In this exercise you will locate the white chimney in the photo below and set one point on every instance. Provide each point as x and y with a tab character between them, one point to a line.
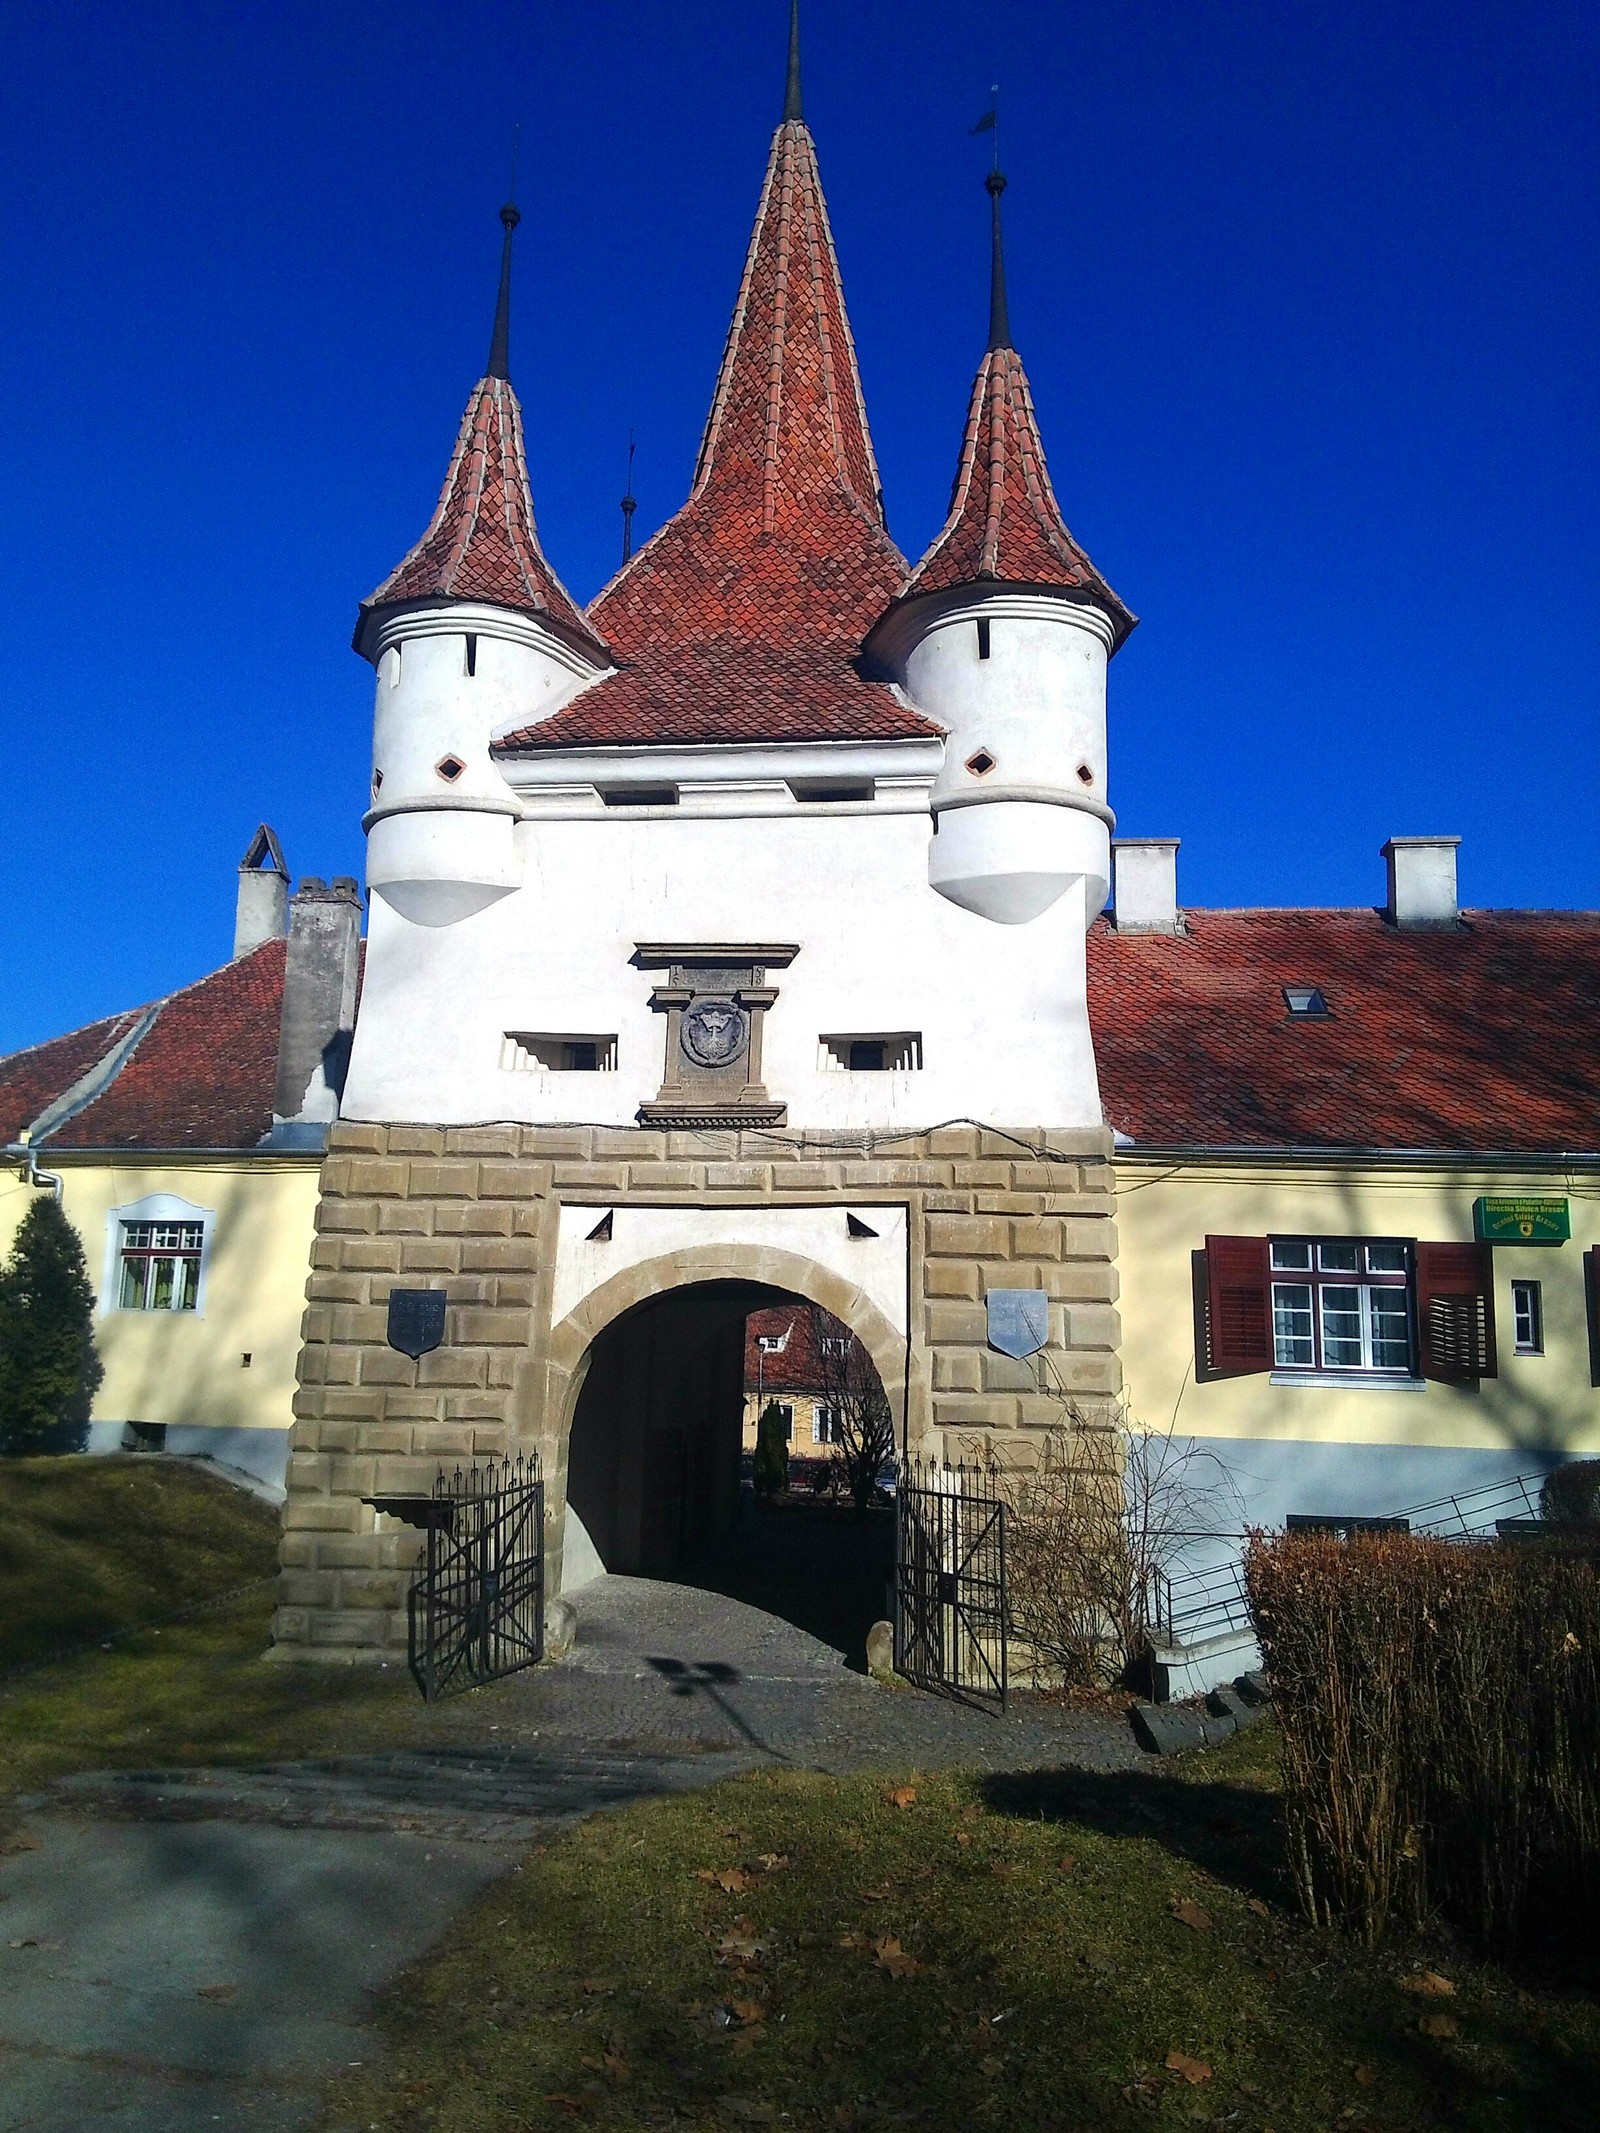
1422	881
1144	872
262	911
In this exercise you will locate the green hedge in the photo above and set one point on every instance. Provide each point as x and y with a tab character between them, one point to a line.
1440	1710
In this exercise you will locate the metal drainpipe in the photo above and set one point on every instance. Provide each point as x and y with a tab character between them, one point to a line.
36	1176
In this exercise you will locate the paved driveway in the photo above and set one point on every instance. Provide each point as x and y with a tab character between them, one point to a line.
198	1948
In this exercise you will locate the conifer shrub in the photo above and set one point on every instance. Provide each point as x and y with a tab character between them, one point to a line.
1440	1711
770	1474
49	1370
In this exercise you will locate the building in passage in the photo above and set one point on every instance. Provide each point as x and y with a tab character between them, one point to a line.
740	944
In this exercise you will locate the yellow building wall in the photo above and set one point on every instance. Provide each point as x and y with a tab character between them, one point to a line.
804	1405
185	1367
1541	1403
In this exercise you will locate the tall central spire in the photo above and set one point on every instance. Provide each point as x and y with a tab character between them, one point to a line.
743	618
792	107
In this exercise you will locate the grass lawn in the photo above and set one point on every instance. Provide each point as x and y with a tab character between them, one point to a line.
91	1548
1025	1953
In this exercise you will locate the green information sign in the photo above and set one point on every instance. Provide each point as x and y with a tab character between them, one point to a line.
1512	1221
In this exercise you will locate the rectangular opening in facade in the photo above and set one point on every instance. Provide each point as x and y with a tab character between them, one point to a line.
877	1052
531	1051
832	791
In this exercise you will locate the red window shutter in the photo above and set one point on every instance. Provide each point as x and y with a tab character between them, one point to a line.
1238	1306
1591	1297
1455	1312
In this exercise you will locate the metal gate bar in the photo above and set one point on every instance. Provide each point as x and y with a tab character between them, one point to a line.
950	1584
476	1610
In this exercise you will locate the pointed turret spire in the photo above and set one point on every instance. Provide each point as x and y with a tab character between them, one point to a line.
999	310
1005	526
793	108
482	542
500	339
742	618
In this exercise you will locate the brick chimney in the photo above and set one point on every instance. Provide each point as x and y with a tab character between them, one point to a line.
319	1010
1144	875
1422	881
262	911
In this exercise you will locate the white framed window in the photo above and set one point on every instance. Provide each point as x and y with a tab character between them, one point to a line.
1527	1317
1345	1306
157	1254
824	1423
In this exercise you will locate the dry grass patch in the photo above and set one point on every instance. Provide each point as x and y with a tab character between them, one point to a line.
1028	1952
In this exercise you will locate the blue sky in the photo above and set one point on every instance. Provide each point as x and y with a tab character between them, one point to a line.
1307	294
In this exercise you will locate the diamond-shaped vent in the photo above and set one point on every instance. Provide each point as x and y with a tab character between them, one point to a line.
449	768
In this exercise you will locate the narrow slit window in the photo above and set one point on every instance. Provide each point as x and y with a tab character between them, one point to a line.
983	636
472	655
1527	1315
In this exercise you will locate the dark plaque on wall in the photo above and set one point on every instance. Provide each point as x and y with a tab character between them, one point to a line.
416	1320
714	1003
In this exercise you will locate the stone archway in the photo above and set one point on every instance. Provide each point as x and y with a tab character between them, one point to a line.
691	1306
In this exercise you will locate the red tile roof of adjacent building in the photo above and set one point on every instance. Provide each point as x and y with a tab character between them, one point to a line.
1005	525
796	1366
743	618
1482	1037
482	543
201	1076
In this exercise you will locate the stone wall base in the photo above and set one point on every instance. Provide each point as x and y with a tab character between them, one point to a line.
475	1211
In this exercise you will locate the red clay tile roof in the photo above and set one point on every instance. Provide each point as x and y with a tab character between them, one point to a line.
30	1081
481	543
1005	524
742	619
200	1077
795	1367
1480	1038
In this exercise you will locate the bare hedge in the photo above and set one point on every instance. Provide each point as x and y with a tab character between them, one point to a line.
1440	1710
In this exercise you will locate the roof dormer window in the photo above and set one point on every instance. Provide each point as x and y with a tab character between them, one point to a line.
1305	1001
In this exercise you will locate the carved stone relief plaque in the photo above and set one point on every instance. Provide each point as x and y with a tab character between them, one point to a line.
714	1002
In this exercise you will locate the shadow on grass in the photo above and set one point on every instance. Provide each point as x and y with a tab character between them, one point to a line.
1232	1832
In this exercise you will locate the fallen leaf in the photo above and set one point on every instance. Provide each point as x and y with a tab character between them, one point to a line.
774	1862
216	1992
749	2010
1269	1973
616	2065
1261	1909
1068	1865
846	1940
1189	1913
903	1796
1366	2076
574	2104
733	1879
1005	1869
1194	2071
741	1948
963	1836
890	1956
883	1895
599	1985
990	2067
1437	2025
972	1812
1430	1985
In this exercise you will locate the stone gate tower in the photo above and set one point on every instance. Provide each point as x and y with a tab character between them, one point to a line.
727	943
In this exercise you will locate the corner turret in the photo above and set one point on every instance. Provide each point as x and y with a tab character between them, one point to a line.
471	635
1003	633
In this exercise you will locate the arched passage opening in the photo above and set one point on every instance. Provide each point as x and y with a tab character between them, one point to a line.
659	1467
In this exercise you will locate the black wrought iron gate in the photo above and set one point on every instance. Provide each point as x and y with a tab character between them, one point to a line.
476	1609
950	1583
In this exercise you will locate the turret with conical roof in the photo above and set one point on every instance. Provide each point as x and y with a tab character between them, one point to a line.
471	632
1002	632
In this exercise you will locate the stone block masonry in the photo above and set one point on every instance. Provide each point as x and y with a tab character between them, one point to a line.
476	1211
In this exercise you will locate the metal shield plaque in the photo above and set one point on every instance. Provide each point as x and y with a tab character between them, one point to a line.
1019	1320
416	1320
